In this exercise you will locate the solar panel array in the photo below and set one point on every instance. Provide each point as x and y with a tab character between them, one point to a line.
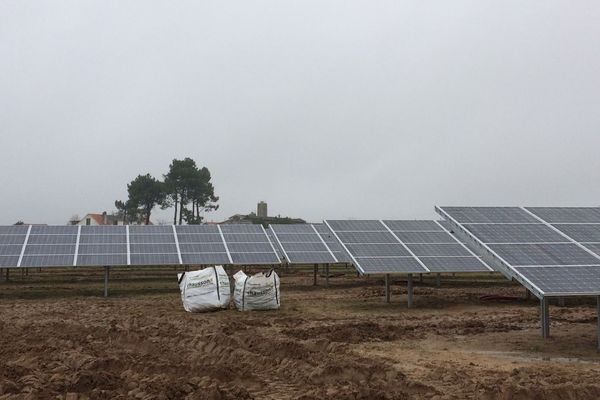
394	246
141	245
333	244
436	247
302	244
249	244
555	250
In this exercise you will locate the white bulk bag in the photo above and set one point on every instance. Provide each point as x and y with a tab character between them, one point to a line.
256	292
205	290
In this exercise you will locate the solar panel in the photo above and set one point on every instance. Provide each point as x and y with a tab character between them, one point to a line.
497	215
544	254
373	247
102	246
439	250
12	239
332	243
554	215
559	281
355	226
301	244
258	251
545	248
581	232
50	246
425	237
594	247
390	265
413	226
153	245
454	264
201	244
57	246
436	247
378	250
516	233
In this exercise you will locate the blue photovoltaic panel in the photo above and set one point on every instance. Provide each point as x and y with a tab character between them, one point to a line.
559	281
201	244
544	254
152	245
50	246
555	215
549	249
301	244
256	241
494	215
455	264
356	226
413	226
516	233
581	232
102	246
11	244
373	248
425	237
332	243
436	247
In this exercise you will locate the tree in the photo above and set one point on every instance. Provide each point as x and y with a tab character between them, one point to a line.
128	212
185	183
145	192
19	223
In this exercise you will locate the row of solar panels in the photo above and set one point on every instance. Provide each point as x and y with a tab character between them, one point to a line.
552	251
412	246
43	246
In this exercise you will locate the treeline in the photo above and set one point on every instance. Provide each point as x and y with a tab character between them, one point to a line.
186	188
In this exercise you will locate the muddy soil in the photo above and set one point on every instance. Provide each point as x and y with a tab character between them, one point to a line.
339	342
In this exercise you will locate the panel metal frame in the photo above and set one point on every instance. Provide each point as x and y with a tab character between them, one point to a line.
177	244
77	246
225	244
24	245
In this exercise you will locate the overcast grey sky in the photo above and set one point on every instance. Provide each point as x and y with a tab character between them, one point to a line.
324	109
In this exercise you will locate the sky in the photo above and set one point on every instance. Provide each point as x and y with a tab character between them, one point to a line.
323	109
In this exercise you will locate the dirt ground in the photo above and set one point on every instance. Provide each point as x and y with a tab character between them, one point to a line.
59	339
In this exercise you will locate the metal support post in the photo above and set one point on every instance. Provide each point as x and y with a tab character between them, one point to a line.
561	301
545	311
438	279
421	278
106	272
527	294
598	309
316	271
327	275
388	293
409	287
7	275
